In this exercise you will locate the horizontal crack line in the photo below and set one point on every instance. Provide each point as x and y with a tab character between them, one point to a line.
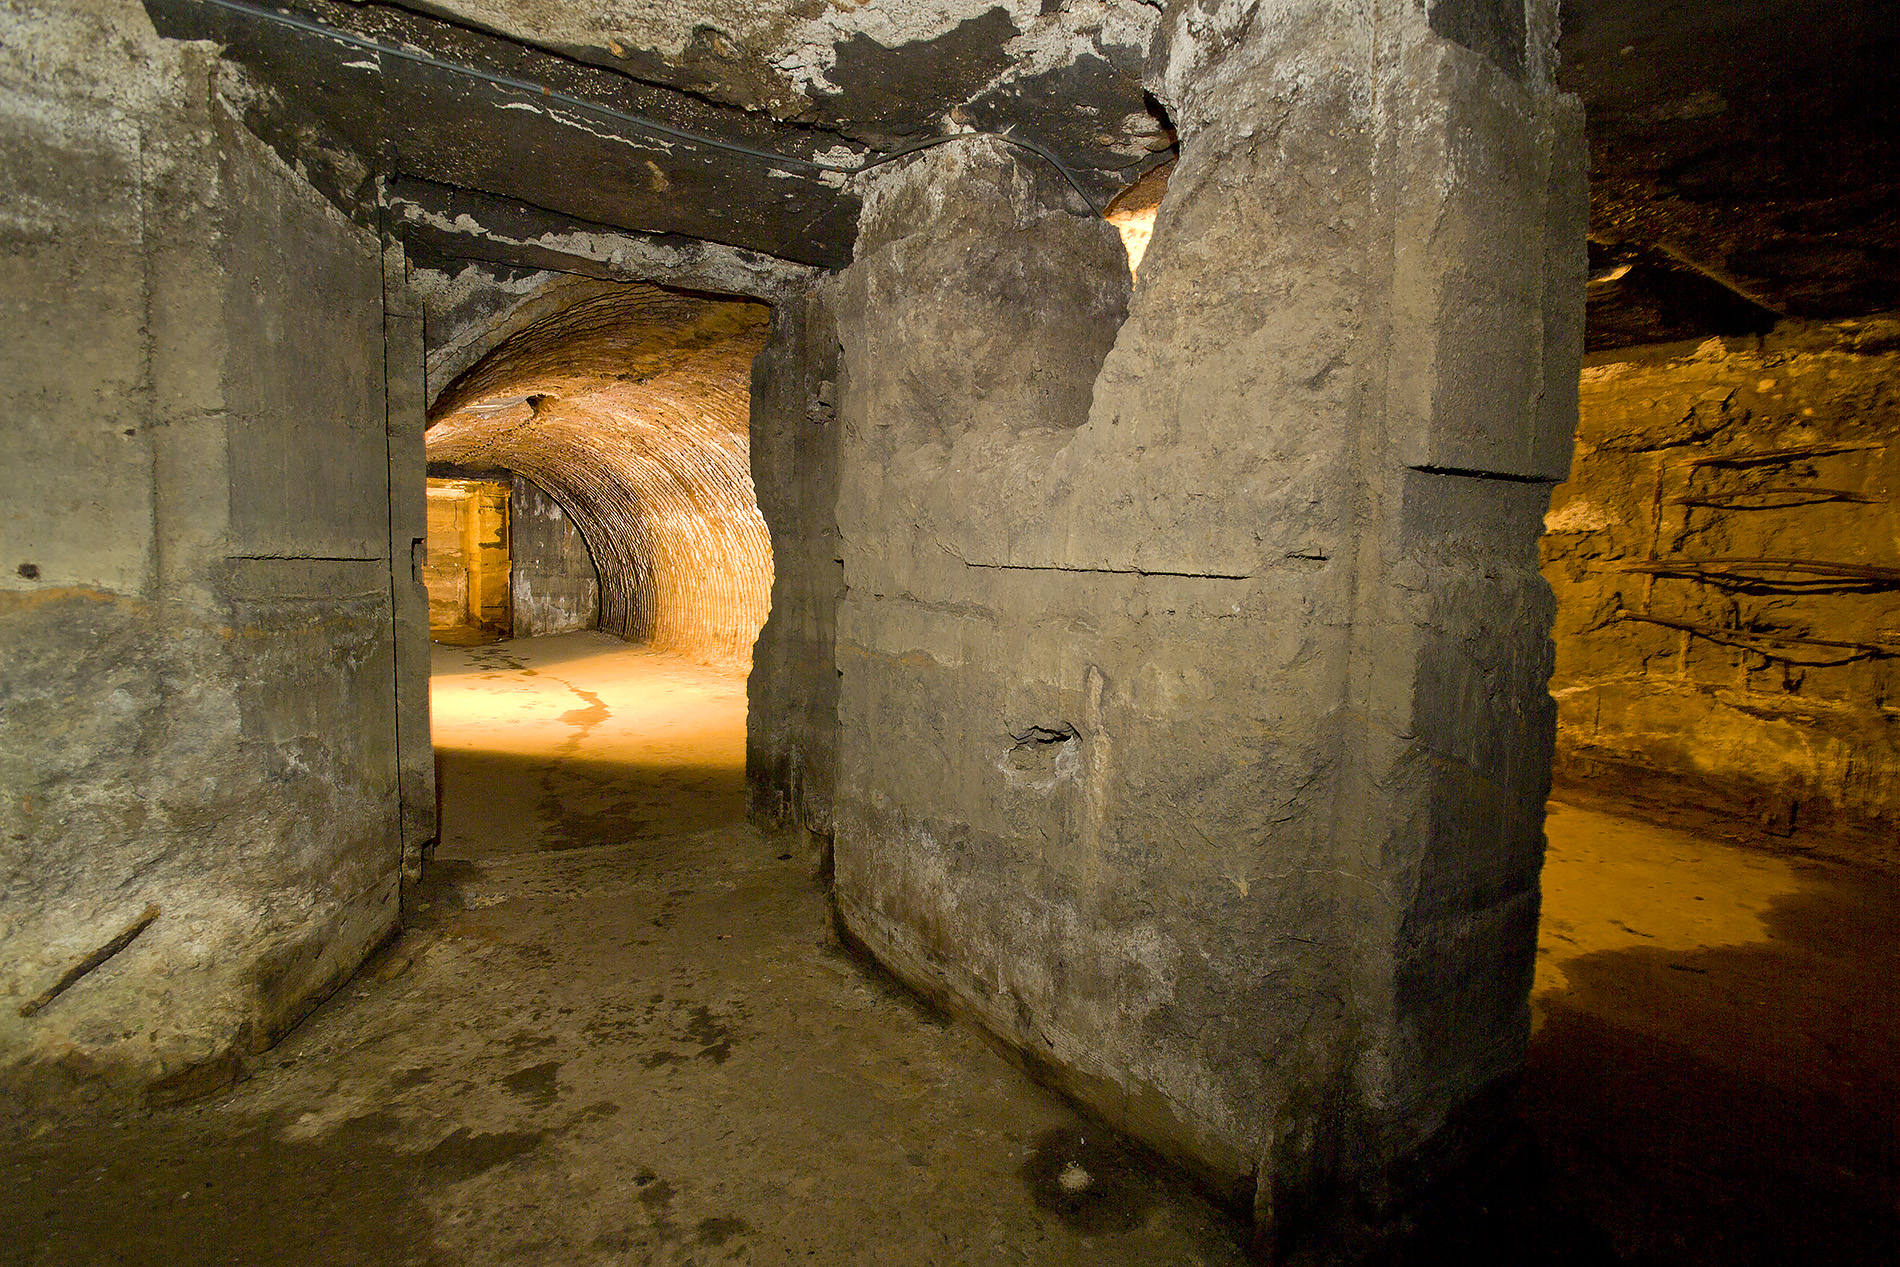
1472	473
1048	567
305	558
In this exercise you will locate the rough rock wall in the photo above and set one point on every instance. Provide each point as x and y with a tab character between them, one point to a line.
1725	557
792	694
554	586
1194	726
197	600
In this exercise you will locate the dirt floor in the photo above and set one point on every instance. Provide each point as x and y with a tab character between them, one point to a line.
1714	1075
620	1030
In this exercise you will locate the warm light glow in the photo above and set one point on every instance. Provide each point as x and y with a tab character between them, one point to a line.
1133	214
1136	230
631	410
1617	884
466	569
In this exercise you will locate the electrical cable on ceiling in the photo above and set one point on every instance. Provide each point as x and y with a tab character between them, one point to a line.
655	128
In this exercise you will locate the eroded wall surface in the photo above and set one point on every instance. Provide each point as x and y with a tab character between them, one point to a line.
1194	733
198	689
1726	558
792	693
554	586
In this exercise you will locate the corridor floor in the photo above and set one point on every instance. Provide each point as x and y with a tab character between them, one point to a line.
619	1030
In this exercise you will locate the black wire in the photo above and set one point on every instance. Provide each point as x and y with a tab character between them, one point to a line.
644	124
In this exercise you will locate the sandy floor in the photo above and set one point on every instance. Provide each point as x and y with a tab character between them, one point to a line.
620	1031
1715	1073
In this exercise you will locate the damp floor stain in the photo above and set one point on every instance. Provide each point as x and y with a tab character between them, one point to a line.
199	1188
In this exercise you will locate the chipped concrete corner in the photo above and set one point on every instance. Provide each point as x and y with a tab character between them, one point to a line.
1194	735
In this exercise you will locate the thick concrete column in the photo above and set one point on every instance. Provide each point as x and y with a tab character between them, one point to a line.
1194	725
792	693
406	404
196	597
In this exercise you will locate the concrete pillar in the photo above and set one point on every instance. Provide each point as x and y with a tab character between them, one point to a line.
792	693
196	597
406	410
1194	726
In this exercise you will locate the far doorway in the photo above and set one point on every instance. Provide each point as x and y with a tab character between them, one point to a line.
504	561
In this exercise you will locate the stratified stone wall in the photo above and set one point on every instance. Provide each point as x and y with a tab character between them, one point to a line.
1194	733
1725	558
198	690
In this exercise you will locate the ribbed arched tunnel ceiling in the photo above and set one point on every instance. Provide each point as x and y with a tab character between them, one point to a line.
631	410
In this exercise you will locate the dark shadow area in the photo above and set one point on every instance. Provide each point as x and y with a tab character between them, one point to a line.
1504	1208
583	803
1735	1106
161	1192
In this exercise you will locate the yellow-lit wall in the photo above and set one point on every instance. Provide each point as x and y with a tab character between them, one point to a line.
1726	561
467	571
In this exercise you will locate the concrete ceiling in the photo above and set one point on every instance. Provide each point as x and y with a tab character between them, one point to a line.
1742	153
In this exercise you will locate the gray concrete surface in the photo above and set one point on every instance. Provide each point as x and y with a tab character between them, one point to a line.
553	584
792	717
1191	696
199	686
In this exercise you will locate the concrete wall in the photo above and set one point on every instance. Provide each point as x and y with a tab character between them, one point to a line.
1194	732
406	415
197	602
1725	557
792	694
554	587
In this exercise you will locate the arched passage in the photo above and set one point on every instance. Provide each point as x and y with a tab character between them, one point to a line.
630	410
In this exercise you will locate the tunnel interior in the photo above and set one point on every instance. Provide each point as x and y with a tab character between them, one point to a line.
1101	631
597	457
628	412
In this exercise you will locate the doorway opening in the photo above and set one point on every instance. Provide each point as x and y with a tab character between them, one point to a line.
467	568
599	571
504	560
